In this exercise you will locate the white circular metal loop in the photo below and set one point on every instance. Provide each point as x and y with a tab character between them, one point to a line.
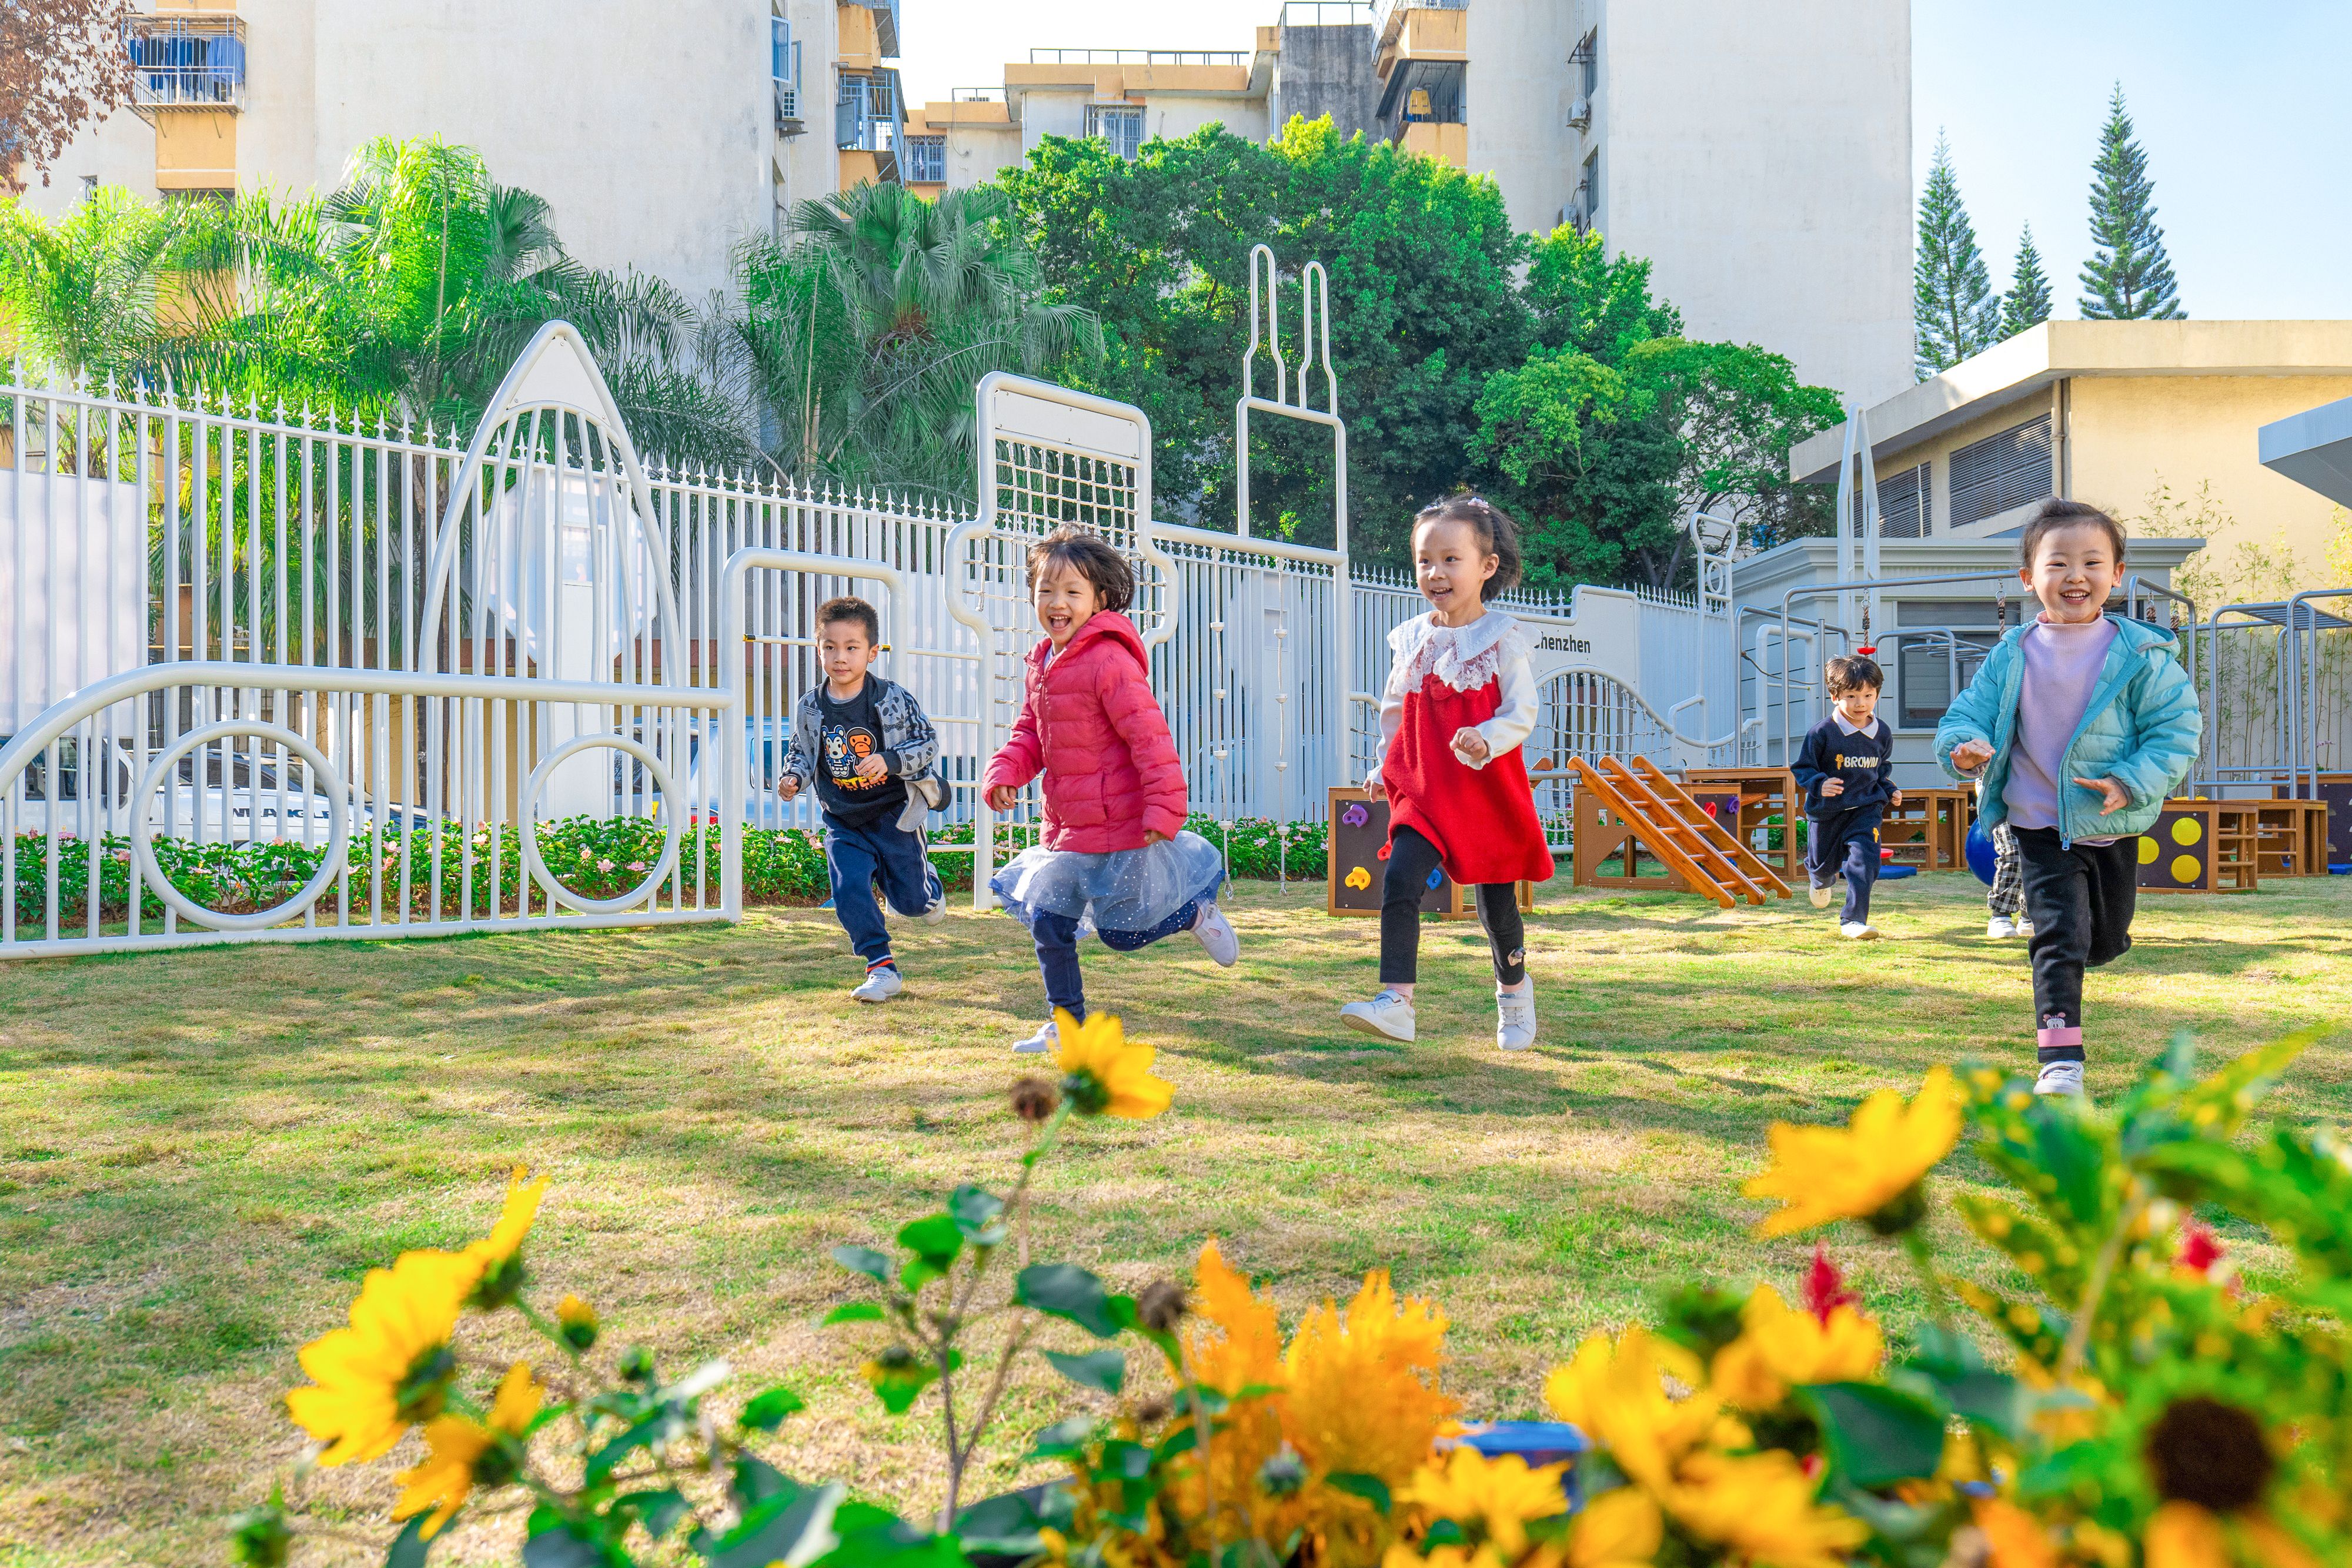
536	864
323	780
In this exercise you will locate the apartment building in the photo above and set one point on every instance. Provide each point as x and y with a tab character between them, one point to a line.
661	134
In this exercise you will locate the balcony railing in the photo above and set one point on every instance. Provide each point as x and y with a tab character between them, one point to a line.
925	161
1325	13
865	116
1137	58
1383	10
187	62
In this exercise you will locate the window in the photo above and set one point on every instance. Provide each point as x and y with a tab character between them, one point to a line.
1903	505
185	62
1591	190
784	69
1586	58
2002	471
926	160
1121	128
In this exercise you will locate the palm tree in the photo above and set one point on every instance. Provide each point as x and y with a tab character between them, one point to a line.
863	341
86	292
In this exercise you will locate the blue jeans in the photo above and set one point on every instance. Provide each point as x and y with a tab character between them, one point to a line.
1846	842
1056	937
852	857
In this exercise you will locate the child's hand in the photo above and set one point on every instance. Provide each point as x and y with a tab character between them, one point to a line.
2117	796
1895	799
1833	786
1470	747
873	768
1154	836
1375	789
788	786
1004	798
1970	754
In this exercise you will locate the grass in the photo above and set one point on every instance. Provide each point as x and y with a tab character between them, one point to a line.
200	1153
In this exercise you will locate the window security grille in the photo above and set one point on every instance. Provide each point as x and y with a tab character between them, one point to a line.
2002	471
1121	129
185	62
926	160
866	115
1903	505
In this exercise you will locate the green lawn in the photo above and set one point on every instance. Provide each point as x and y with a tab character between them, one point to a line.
201	1152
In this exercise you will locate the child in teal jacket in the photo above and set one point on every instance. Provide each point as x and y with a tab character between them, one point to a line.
2080	723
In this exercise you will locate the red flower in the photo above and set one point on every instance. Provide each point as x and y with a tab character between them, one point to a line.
1826	1289
2199	1248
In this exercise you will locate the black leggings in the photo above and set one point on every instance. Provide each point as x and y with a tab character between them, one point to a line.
2080	898
1412	858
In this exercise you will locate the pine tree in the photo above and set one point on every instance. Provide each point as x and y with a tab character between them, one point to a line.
1953	307
2027	304
2128	276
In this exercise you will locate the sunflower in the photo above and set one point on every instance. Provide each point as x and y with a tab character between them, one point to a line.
1363	1395
1231	1339
496	1261
1103	1075
462	1453
1781	1348
2014	1537
576	1320
1494	1500
1617	1395
1619	1529
1761	1509
1869	1170
392	1366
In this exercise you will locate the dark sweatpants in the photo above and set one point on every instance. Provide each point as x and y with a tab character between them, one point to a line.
2080	898
1411	858
1846	842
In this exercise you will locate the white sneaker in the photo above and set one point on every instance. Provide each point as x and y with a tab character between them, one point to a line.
1821	895
936	912
1387	1014
2060	1078
2000	926
1855	931
882	982
2025	927
1047	1039
1216	934
1514	1018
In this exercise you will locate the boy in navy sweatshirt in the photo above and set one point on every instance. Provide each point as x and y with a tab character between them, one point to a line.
1847	770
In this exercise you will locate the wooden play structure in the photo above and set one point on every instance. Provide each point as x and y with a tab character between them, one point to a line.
1623	811
1768	804
1358	861
1929	828
2202	846
2294	838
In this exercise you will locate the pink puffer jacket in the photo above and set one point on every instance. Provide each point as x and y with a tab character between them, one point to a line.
1090	722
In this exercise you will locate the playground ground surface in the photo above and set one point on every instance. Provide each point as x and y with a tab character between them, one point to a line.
201	1152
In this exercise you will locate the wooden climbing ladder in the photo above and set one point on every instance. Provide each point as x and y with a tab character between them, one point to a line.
1650	808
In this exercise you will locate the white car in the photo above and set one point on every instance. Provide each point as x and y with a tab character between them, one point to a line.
253	803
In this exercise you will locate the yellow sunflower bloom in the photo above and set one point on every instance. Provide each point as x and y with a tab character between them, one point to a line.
576	1320
496	1260
1866	1170
1105	1076
1363	1394
1495	1499
463	1453
1761	1509
1781	1348
391	1366
1617	1395
2183	1535
2013	1537
1619	1529
1231	1338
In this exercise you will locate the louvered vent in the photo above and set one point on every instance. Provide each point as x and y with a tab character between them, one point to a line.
2002	471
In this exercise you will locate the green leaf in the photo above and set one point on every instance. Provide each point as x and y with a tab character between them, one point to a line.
1372	1489
1067	1291
794	1529
935	1239
1062	1440
562	1547
766	1412
865	1261
1874	1435
854	1312
664	1427
1101	1370
976	1212
1007	1525
755	1481
658	1512
409	1547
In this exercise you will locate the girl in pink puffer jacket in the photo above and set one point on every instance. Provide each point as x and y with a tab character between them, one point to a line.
1116	857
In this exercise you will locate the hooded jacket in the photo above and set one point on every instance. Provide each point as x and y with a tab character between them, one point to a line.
2141	727
1089	723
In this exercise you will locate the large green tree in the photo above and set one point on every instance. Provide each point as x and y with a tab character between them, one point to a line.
2128	276
1954	309
1424	307
2027	303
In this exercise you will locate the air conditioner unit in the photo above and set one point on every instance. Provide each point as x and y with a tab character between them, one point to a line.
1580	113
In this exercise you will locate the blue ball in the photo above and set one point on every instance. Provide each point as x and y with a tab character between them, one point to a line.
1982	855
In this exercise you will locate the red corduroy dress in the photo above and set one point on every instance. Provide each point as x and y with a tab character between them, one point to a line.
1482	820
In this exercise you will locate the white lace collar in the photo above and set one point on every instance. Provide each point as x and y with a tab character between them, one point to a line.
1464	658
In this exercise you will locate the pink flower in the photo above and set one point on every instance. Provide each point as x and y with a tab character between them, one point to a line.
602	866
584	857
636	866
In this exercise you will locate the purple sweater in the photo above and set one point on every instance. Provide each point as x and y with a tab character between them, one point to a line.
2062	670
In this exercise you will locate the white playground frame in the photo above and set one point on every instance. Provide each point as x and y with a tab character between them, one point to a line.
387	646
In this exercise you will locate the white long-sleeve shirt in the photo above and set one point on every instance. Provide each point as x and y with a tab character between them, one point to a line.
1466	658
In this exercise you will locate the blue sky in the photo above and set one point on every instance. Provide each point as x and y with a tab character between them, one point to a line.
2242	110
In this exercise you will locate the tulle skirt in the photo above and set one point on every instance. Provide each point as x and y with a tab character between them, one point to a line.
1125	890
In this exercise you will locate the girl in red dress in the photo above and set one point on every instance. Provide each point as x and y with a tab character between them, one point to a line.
1460	698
